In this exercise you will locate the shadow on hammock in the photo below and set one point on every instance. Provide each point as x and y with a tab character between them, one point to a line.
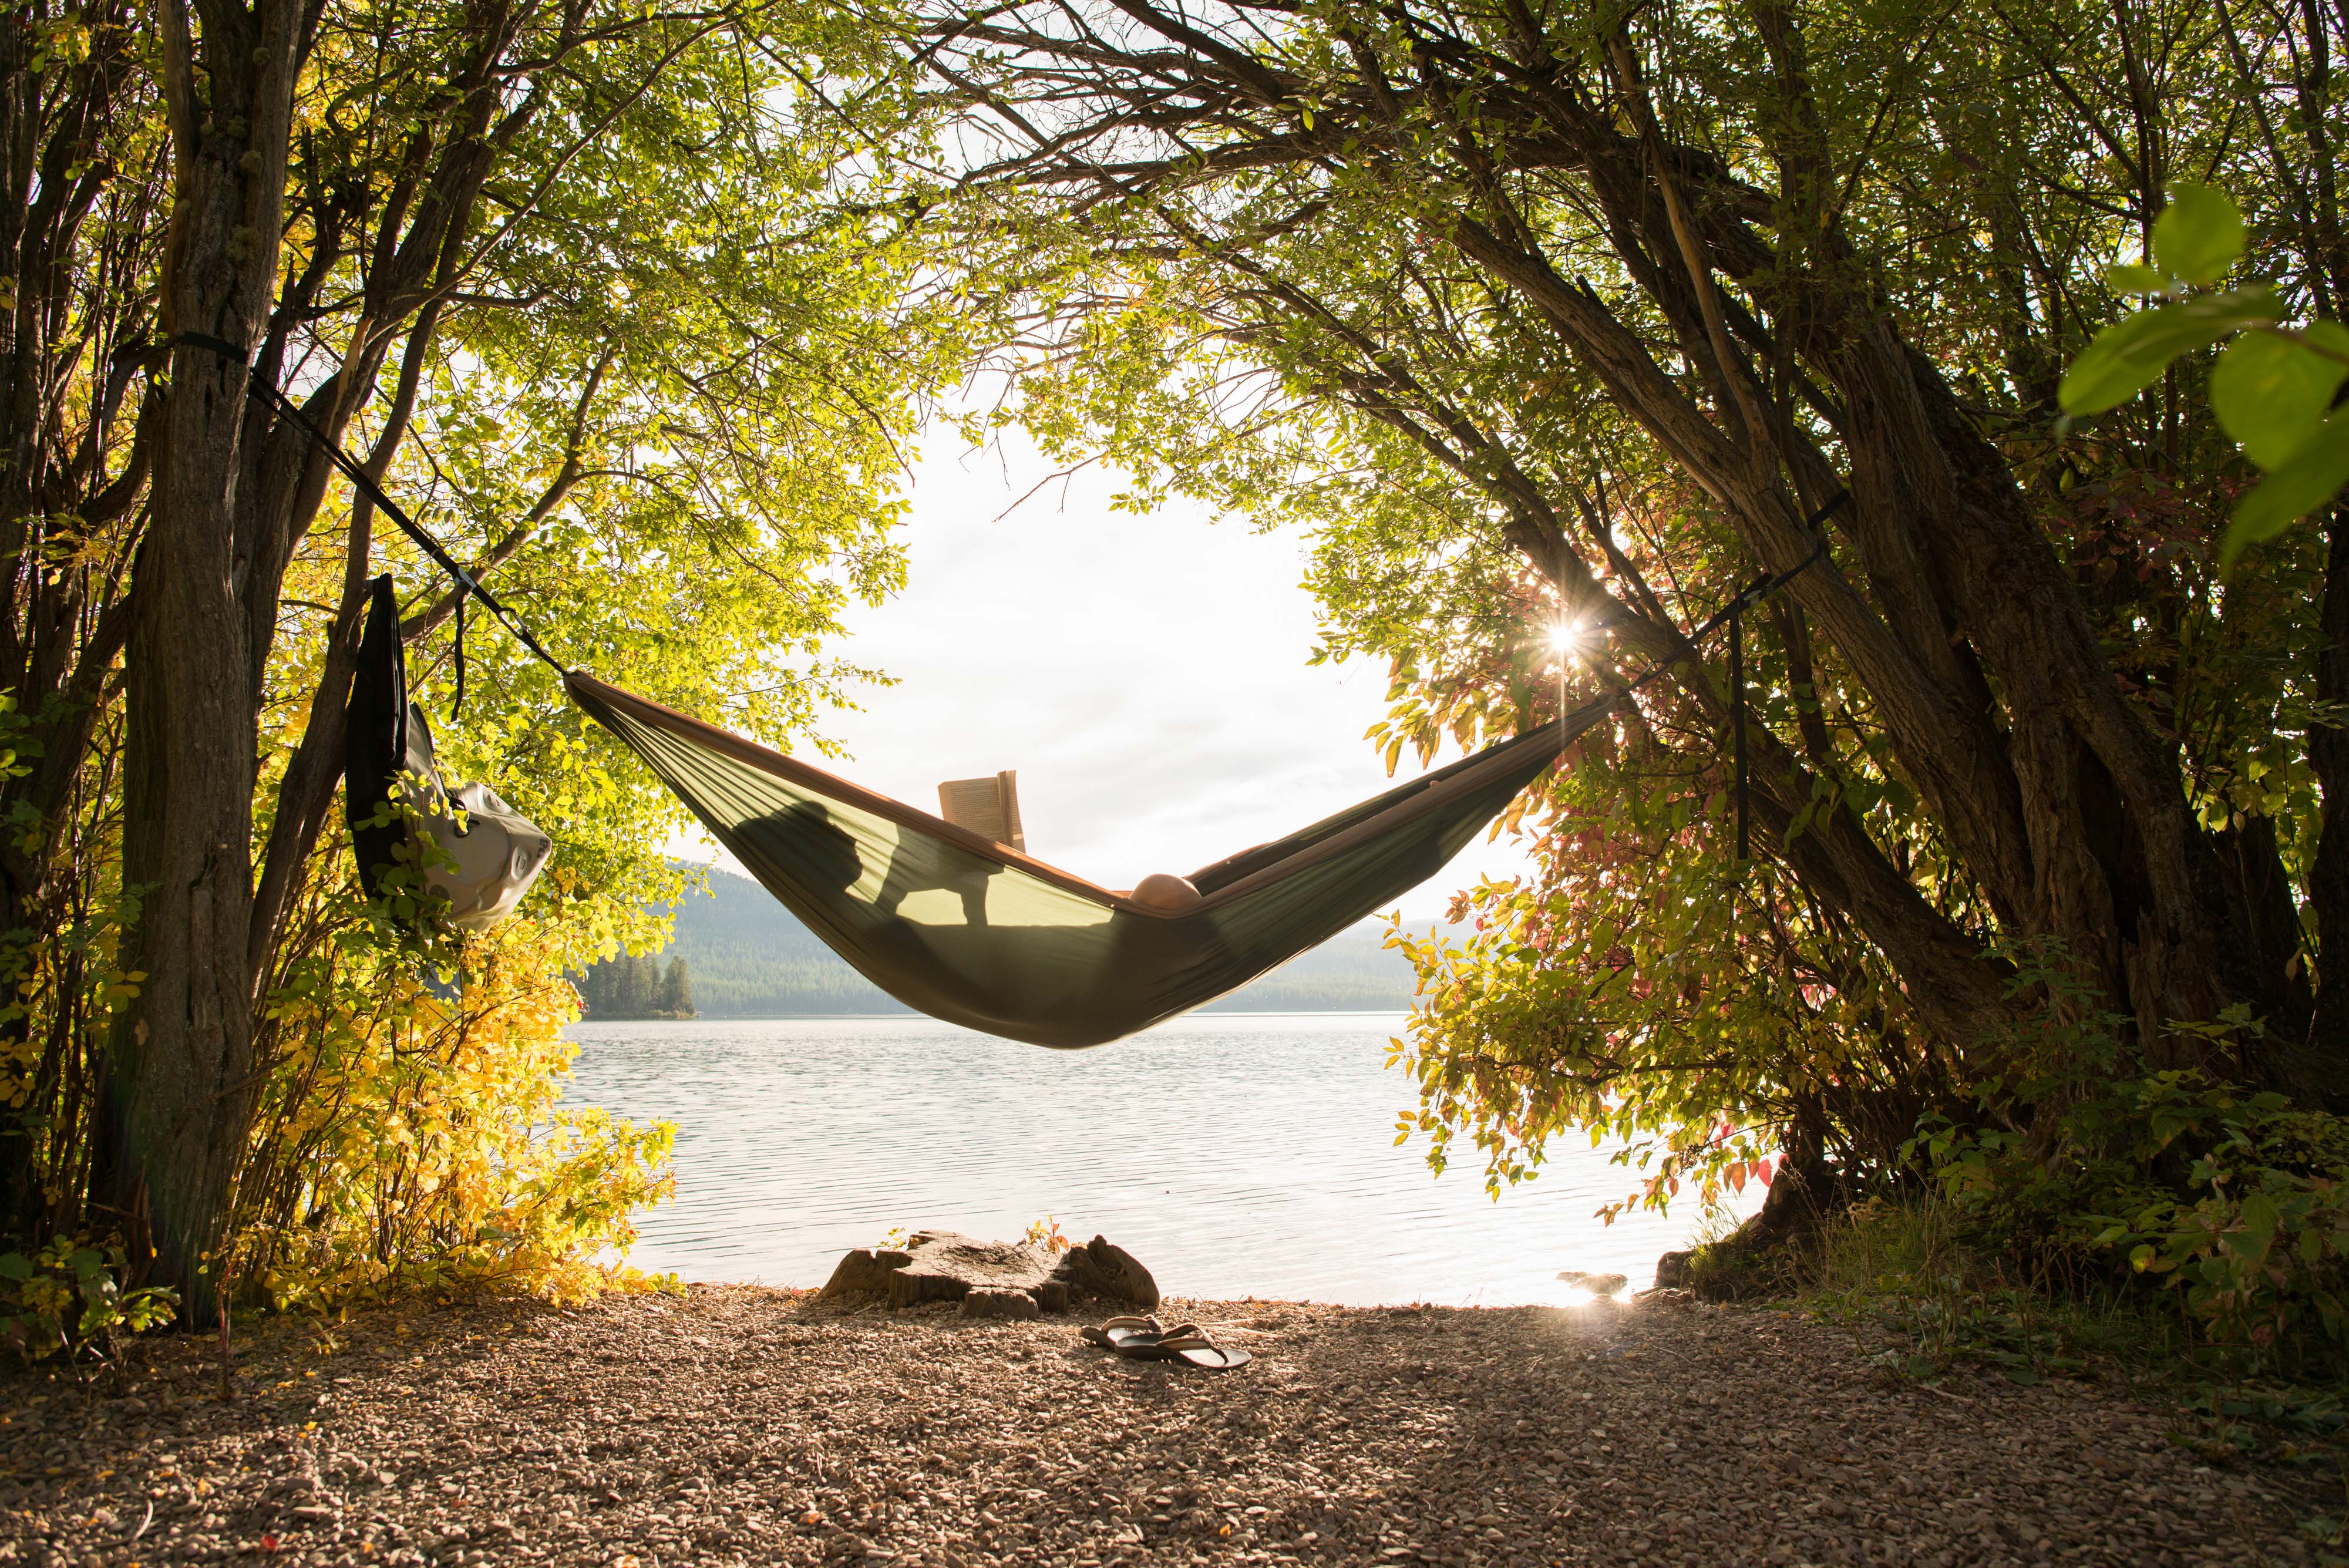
830	858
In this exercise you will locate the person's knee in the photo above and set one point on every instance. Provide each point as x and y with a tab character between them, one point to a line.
1161	891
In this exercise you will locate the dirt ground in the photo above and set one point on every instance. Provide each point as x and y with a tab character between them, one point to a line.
747	1426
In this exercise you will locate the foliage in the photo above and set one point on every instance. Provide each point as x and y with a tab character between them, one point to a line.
2232	1200
2273	389
1915	1270
68	1299
1046	1233
1557	322
2096	1165
406	1143
1907	1266
591	290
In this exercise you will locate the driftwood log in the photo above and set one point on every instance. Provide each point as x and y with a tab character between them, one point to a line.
940	1265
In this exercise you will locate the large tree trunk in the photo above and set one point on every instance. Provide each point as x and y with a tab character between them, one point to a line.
183	1056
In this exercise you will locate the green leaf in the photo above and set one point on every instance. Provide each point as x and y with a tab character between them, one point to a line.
2198	235
2312	477
2272	392
2022	1375
15	1266
2131	277
2129	355
2261	1217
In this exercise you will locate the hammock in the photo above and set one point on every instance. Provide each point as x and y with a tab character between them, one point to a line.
976	933
961	928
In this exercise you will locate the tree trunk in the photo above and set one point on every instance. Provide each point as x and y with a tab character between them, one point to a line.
183	1052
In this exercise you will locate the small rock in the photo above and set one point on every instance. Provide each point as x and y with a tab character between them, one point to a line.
1601	1284
865	1271
1100	1269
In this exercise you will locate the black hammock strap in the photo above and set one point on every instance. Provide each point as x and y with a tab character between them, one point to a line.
365	483
1734	612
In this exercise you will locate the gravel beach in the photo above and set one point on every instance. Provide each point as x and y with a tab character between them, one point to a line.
739	1424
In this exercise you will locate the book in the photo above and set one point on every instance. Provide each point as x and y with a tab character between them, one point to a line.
988	808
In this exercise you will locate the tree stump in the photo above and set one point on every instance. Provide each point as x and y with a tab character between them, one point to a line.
942	1266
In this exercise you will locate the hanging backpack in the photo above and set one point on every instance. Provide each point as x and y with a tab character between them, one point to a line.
482	862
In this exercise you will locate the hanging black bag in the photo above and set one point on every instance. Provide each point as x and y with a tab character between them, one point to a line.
480	862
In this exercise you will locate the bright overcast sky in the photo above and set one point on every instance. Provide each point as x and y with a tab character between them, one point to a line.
1145	675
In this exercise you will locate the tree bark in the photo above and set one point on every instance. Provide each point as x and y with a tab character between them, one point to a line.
184	1049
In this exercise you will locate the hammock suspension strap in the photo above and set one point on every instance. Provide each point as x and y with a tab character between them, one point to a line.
1761	587
363	482
1737	726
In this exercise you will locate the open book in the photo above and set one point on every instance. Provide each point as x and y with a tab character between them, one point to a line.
987	806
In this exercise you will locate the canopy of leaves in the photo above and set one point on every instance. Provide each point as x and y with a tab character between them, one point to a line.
614	302
1543	316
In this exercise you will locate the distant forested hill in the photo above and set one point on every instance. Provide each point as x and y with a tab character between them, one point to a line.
750	958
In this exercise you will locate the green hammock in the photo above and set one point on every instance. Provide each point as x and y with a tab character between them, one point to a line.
961	928
970	931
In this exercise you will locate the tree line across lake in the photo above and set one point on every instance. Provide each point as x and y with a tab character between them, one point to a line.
637	986
748	958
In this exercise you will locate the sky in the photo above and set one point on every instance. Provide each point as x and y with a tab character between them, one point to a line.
1146	676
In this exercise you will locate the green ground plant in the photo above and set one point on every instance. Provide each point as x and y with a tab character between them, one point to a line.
68	1299
1936	1296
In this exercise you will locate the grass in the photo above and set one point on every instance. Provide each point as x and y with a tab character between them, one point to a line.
1940	1304
1937	1304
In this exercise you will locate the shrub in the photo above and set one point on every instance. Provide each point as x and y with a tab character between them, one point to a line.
68	1299
404	1141
2095	1163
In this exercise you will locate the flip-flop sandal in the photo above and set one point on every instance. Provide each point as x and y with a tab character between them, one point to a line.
1197	1349
1100	1333
1142	1343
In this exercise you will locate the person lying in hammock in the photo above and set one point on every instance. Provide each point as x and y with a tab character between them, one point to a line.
831	858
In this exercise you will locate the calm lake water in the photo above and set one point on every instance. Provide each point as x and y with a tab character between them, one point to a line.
1234	1154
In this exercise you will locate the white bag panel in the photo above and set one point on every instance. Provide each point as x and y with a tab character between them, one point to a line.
496	855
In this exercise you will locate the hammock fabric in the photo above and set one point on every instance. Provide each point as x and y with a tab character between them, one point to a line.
970	931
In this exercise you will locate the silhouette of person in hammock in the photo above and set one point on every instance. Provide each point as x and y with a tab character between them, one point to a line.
826	855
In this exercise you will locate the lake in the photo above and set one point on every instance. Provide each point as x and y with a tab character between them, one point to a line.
1234	1155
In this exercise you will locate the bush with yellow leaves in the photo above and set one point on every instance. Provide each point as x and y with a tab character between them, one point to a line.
408	1141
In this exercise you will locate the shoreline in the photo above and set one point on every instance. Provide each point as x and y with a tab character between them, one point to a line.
743	1424
1209	1011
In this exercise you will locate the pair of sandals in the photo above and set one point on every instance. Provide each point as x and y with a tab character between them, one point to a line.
1146	1339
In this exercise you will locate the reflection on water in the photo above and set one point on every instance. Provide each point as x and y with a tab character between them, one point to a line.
1234	1154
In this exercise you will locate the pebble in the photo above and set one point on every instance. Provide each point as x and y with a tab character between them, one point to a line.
744	1426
